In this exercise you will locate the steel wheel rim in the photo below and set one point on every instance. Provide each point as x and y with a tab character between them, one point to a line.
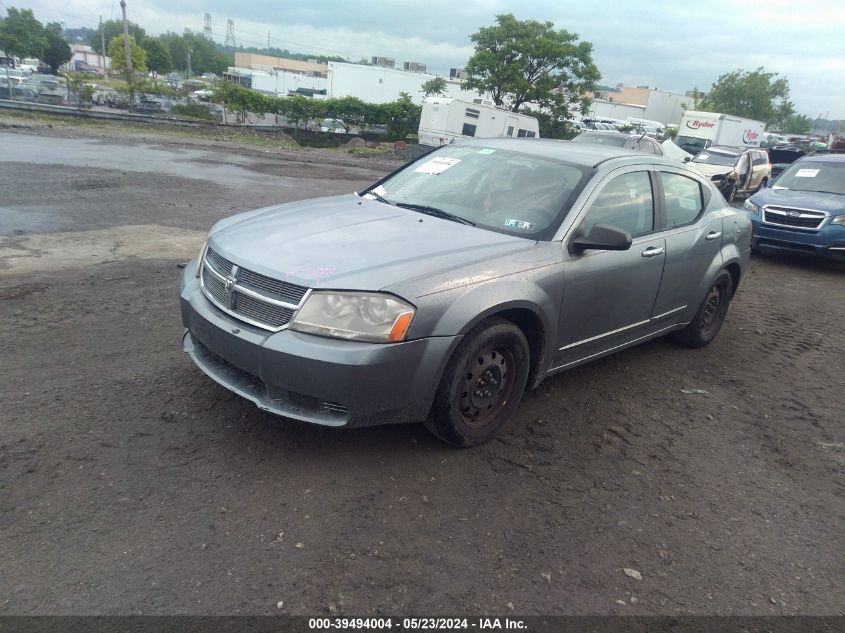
712	308
486	387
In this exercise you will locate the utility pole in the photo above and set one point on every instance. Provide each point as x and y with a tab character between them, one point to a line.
268	39
103	47
128	52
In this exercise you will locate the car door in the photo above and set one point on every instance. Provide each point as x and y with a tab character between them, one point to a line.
608	296
693	242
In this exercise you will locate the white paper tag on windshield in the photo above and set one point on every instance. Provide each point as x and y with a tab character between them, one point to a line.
437	165
519	224
806	173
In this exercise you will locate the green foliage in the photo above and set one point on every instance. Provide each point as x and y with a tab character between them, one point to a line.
79	88
21	34
195	110
754	94
158	55
401	116
117	52
796	124
434	86
58	50
521	62
112	29
206	56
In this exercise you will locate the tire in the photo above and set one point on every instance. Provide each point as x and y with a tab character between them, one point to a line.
762	185
466	411
710	316
730	192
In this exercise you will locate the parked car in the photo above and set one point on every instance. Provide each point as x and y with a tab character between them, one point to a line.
804	209
737	171
333	126
149	106
52	97
782	156
443	290
21	93
637	142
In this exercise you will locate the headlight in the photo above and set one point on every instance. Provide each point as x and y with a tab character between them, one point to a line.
358	316
839	219
750	206
200	258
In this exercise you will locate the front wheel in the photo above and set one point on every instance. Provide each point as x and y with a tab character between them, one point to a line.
481	385
710	316
730	191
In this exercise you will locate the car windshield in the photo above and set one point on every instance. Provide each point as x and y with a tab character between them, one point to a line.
711	157
500	190
616	140
824	177
691	144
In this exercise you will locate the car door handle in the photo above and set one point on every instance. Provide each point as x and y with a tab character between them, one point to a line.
653	251
713	235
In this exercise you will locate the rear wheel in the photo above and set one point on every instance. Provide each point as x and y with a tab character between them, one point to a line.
481	385
711	314
763	184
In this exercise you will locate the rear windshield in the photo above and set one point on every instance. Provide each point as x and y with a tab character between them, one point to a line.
716	158
601	139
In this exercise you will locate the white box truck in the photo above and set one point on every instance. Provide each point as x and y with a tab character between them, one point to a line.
699	130
445	119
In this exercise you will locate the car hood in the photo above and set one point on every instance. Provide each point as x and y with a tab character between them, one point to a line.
351	243
711	170
813	200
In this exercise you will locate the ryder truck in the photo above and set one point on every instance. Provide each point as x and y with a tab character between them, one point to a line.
699	130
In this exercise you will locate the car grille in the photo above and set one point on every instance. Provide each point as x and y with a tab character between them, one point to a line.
800	219
257	299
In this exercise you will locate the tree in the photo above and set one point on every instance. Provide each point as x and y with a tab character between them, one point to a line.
21	34
530	63
754	94
57	51
158	55
206	56
111	29
797	124
117	52
434	86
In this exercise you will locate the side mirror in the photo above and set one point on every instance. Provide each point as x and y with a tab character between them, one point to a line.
603	237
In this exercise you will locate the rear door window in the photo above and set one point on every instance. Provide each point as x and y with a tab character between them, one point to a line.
683	199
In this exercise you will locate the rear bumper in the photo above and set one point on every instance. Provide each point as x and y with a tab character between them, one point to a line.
816	243
310	378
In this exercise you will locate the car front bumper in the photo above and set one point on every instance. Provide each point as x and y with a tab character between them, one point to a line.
311	378
822	243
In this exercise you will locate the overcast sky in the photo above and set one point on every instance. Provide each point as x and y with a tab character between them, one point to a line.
671	45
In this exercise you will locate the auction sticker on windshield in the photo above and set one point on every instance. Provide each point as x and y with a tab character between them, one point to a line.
806	173
519	224
437	165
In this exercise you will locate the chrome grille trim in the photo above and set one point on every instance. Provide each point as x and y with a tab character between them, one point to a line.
224	288
794	218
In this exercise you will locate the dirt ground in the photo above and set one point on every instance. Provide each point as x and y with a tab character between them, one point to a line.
131	483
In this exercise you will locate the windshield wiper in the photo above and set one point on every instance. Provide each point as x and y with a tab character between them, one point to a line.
434	211
377	196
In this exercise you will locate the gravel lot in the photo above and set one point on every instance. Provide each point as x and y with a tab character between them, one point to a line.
131	483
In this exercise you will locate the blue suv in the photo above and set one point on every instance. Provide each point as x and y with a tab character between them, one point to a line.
803	210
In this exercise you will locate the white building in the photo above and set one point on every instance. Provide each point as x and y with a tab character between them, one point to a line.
87	55
375	84
278	82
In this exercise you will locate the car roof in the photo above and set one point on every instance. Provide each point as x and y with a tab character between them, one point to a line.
585	154
604	133
823	158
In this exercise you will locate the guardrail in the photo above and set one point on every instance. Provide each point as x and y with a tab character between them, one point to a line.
98	114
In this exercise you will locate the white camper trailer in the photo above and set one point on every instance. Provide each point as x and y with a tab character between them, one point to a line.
445	119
